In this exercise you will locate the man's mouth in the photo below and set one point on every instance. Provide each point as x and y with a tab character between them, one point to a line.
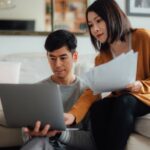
59	71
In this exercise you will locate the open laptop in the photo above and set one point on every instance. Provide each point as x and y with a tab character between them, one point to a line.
24	104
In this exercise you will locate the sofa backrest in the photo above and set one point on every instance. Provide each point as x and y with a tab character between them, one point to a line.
35	67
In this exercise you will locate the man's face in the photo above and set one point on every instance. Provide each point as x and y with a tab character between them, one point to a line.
61	62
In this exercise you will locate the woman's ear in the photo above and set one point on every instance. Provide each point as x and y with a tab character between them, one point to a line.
75	56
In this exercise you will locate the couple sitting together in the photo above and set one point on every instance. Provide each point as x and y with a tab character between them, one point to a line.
104	124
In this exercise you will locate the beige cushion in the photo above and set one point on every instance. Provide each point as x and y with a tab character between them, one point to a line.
9	72
9	136
35	67
138	142
143	125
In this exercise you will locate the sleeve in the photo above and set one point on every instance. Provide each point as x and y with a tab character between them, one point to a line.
146	86
25	137
78	139
146	61
83	104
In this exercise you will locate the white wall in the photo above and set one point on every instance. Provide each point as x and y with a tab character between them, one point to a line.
137	22
10	44
14	44
27	10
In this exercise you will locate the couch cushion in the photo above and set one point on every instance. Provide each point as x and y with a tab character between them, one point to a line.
143	125
138	142
9	136
9	72
35	67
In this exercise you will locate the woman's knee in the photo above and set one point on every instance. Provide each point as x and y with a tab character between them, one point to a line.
124	109
100	106
94	110
126	102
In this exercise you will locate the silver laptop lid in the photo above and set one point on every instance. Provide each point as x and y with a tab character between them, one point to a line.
24	104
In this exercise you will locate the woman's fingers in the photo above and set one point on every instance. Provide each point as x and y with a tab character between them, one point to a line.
134	87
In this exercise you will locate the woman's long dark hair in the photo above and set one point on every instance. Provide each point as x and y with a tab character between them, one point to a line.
117	23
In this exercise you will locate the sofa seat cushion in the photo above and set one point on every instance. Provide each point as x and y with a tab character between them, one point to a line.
9	136
138	142
143	125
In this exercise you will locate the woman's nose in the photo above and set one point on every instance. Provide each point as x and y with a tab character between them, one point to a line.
96	28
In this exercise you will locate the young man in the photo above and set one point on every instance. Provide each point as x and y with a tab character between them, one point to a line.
61	54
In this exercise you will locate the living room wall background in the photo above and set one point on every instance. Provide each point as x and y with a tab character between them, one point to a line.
14	44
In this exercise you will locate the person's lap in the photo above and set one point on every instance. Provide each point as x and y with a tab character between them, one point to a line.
10	148
40	143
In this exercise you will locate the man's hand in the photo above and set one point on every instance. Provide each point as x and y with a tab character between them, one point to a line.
134	87
38	132
69	118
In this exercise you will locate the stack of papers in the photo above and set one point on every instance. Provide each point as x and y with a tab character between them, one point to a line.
114	75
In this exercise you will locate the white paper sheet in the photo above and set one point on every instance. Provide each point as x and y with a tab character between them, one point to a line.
114	75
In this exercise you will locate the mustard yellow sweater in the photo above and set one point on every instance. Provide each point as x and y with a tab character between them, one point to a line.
140	42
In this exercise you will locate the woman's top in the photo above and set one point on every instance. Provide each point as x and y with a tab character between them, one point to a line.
140	42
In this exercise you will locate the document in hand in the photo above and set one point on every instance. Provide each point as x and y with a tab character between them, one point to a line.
114	75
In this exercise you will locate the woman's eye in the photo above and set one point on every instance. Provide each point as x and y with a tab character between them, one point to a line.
90	25
99	20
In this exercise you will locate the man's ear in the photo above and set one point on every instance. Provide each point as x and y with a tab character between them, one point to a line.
75	56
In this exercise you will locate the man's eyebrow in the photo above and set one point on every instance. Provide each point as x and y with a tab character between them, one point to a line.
51	55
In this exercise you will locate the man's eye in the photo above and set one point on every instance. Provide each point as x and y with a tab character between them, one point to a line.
52	58
63	58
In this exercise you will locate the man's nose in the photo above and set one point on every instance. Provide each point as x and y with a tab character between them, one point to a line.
58	62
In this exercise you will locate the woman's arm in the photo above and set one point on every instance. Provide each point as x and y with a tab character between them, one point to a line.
83	104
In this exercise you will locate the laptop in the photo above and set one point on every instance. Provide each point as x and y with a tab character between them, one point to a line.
24	104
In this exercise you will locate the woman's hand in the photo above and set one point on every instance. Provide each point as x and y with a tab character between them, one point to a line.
69	118
134	87
38	132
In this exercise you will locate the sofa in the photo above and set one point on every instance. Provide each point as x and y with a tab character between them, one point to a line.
33	67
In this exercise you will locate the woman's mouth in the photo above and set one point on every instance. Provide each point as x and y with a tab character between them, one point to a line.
99	35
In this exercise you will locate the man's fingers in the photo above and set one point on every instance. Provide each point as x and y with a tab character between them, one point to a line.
53	133
45	130
37	127
25	129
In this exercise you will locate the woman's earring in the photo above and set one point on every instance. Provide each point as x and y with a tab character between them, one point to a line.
99	44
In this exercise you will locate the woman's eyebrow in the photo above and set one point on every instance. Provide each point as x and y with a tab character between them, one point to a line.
96	17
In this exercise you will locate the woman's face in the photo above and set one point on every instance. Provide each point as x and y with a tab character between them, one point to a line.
97	27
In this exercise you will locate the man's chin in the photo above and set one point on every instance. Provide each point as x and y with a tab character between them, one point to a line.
61	76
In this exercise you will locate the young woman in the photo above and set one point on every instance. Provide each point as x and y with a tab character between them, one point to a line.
113	118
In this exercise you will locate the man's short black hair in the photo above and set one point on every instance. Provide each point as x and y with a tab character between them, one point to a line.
60	38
